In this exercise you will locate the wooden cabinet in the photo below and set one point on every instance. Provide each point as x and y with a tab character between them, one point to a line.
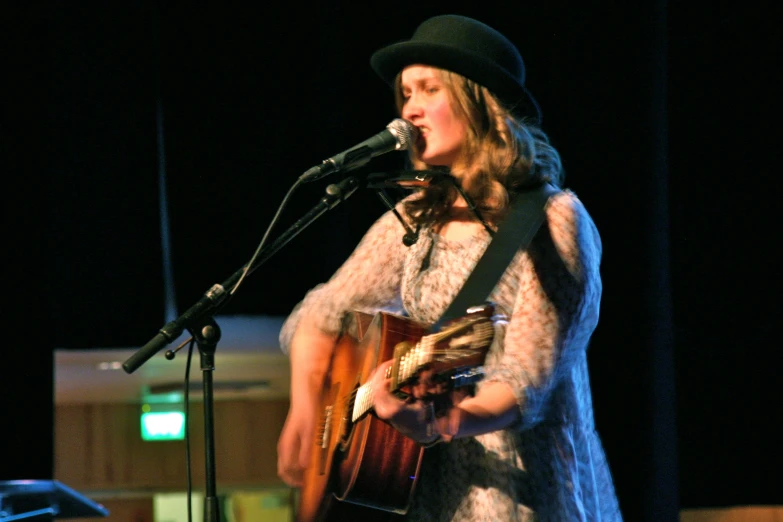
98	447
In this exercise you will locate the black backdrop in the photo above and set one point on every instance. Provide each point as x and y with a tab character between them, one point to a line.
663	115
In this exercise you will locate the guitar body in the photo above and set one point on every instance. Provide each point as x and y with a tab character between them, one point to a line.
363	470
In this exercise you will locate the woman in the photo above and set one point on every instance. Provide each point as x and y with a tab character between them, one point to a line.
523	446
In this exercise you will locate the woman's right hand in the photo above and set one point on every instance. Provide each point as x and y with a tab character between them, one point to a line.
295	444
310	354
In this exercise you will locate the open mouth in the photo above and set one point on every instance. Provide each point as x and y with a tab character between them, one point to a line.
421	140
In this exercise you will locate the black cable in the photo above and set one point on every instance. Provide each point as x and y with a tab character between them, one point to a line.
186	400
266	235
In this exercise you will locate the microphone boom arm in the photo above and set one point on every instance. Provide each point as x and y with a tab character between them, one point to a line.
398	135
216	295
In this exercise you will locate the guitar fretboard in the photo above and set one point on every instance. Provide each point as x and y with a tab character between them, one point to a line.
407	362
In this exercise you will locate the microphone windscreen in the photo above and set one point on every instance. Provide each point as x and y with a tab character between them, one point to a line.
405	132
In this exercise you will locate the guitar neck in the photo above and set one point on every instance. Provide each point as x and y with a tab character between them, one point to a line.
407	361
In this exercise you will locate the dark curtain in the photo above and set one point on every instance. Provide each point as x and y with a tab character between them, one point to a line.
662	114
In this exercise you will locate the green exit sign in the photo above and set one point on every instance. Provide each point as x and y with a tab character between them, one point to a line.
163	425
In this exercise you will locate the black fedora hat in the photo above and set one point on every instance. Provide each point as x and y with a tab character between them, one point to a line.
467	47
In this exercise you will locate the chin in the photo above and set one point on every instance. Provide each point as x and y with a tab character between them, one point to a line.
435	160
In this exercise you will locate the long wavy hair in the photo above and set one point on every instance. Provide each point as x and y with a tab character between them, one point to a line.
503	154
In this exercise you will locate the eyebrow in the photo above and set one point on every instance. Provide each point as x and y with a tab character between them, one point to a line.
419	82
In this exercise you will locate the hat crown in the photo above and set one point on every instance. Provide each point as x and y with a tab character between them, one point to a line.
467	47
469	35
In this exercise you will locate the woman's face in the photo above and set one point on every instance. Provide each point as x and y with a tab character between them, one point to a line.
427	104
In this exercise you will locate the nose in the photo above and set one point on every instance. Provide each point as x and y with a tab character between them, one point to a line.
412	108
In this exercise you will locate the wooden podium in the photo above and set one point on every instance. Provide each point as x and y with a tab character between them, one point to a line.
22	499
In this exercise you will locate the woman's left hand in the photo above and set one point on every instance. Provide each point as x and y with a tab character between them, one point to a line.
413	418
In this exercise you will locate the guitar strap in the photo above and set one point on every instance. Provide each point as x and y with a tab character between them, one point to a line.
526	213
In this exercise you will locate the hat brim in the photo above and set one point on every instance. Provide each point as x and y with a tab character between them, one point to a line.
389	61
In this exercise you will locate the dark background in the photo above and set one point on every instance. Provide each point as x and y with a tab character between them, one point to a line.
663	115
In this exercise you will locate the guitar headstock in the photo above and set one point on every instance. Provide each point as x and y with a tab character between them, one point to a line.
461	343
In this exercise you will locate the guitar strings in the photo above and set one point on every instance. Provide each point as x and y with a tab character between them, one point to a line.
481	335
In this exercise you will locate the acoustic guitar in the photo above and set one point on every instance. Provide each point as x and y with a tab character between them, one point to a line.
361	467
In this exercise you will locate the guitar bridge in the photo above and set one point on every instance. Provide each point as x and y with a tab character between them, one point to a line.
327	431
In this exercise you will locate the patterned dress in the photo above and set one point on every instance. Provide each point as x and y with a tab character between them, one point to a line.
550	466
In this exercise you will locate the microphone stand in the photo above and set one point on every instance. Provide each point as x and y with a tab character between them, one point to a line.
199	321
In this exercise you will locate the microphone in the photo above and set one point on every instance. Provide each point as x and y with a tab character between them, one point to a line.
398	135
